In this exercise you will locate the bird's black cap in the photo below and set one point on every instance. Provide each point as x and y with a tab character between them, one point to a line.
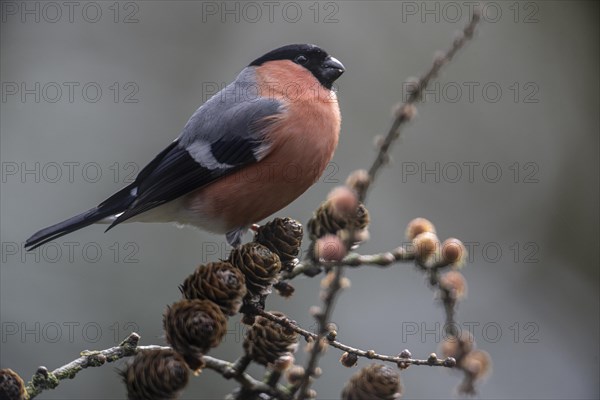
323	66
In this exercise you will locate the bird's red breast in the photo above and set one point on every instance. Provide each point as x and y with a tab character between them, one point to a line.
302	139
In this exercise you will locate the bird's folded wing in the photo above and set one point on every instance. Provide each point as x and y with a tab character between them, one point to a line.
203	154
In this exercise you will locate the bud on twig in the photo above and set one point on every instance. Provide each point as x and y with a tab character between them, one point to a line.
454	252
328	279
405	354
330	248
358	180
295	374
418	226
432	358
284	289
478	363
426	244
457	346
343	202
455	283
349	360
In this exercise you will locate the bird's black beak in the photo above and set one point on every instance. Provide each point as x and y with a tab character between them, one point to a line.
331	69
334	63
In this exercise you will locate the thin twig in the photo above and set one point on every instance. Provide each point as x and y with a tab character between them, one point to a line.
370	354
45	380
248	383
448	300
405	113
322	318
354	260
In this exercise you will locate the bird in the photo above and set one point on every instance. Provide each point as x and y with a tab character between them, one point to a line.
246	153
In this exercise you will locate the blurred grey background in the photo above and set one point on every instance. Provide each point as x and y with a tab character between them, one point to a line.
503	154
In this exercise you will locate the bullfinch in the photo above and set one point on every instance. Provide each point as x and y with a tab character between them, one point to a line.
246	153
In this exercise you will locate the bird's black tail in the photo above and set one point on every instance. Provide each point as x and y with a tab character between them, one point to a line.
113	205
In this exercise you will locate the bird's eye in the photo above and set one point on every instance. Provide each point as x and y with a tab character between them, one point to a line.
301	60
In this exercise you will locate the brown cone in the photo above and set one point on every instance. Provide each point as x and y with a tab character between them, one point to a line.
325	221
267	341
259	265
193	327
219	282
12	386
373	382
284	289
155	375
283	236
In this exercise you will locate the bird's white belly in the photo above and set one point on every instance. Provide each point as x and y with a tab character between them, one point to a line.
175	212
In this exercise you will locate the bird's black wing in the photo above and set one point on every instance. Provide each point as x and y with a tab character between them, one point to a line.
199	157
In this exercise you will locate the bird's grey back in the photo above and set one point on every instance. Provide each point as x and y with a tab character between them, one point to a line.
232	112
